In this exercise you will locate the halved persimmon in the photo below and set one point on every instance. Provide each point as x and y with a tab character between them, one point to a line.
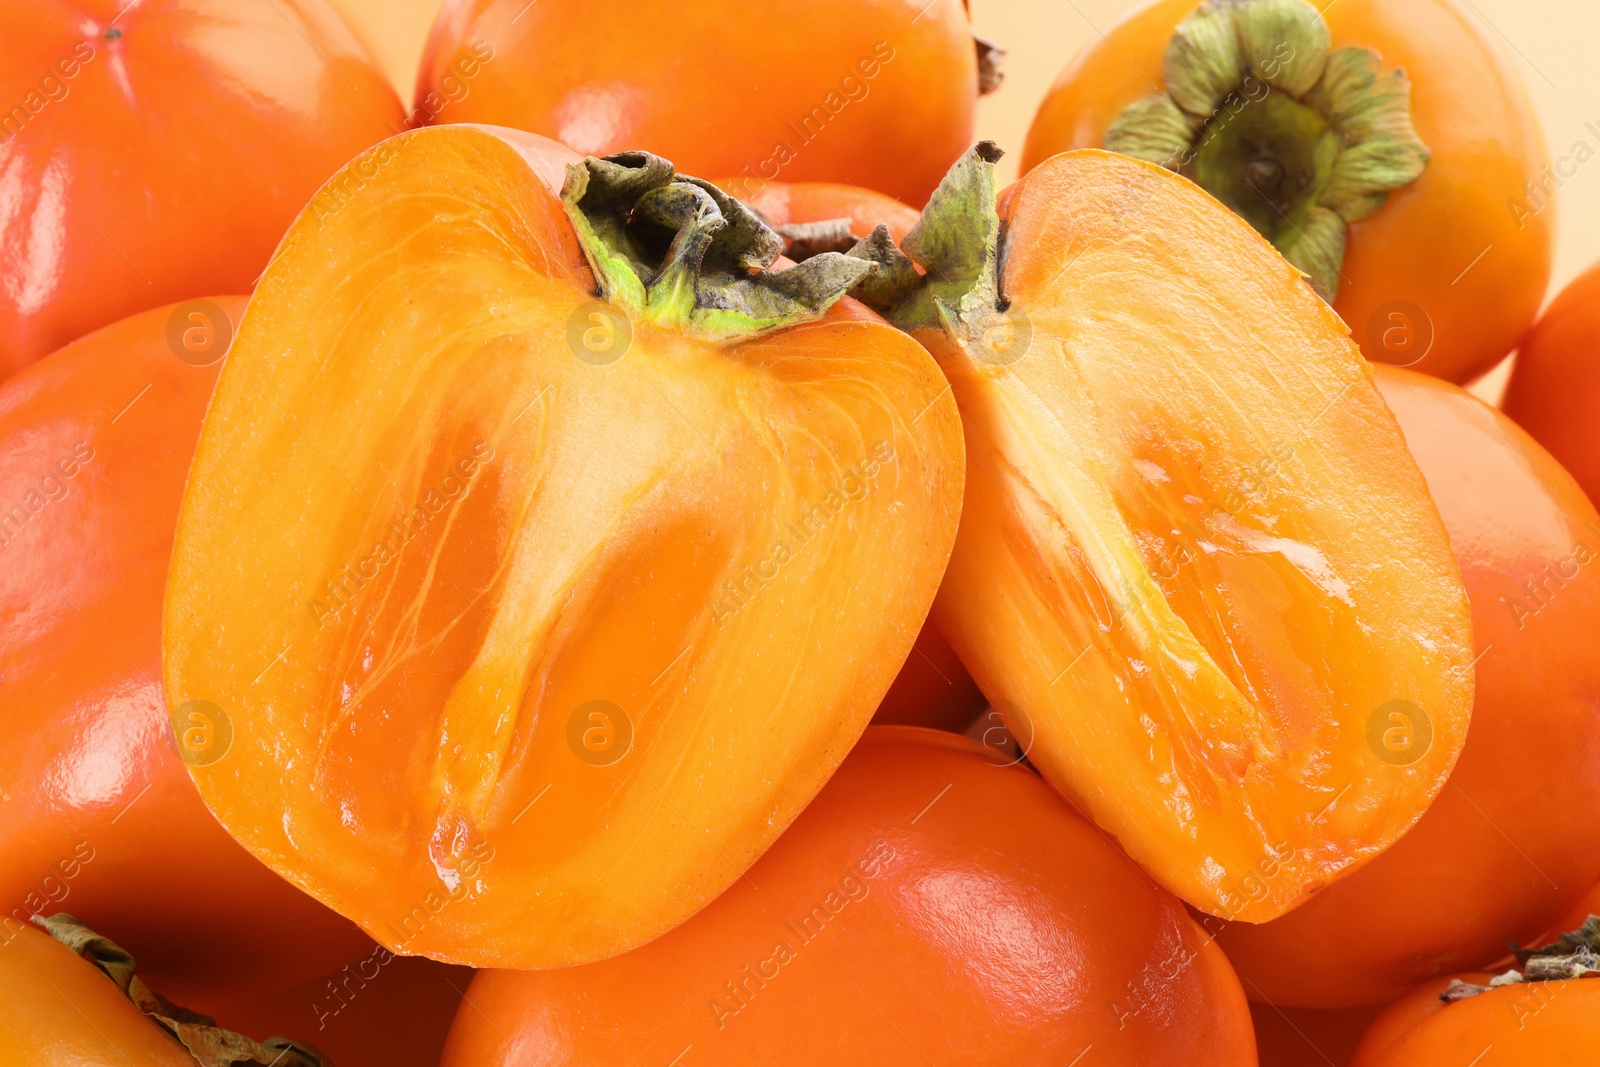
1197	565
933	688
537	616
1514	837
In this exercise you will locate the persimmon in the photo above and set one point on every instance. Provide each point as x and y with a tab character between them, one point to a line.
876	93
929	904
157	151
71	996
1388	148
1196	565
1512	840
1554	389
537	615
100	817
1538	1011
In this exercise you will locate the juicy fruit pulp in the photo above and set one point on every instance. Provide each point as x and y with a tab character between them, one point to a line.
1196	566
1485	865
536	621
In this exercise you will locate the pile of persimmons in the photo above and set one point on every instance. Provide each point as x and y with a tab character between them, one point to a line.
653	557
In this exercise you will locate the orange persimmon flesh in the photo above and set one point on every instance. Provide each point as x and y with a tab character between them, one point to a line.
529	652
1195	555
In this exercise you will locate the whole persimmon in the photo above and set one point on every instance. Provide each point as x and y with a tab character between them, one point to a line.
931	905
1387	148
1512	841
1539	1011
1554	391
100	818
157	151
876	93
1196	562
70	996
546	546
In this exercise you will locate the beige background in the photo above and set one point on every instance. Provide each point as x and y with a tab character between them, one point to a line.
1552	42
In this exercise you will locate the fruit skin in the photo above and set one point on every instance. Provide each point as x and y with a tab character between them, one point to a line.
965	912
1162	573
1547	1023
173	143
1422	247
101	818
723	88
1555	382
58	1008
1512	840
590	554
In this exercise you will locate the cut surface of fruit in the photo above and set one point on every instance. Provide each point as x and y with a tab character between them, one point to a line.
538	616
98	809
1512	839
1195	556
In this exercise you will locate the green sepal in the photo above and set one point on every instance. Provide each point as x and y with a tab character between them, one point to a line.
957	243
1285	43
894	280
1153	129
1299	139
1317	249
209	1044
1204	60
681	253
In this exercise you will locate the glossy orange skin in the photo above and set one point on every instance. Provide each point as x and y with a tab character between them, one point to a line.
1423	246
101	818
171	146
721	88
57	1008
1552	1024
966	914
1555	384
1512	840
1295	1037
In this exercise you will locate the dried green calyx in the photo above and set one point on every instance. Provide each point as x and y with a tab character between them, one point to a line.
959	244
209	1044
1298	138
681	253
1574	955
